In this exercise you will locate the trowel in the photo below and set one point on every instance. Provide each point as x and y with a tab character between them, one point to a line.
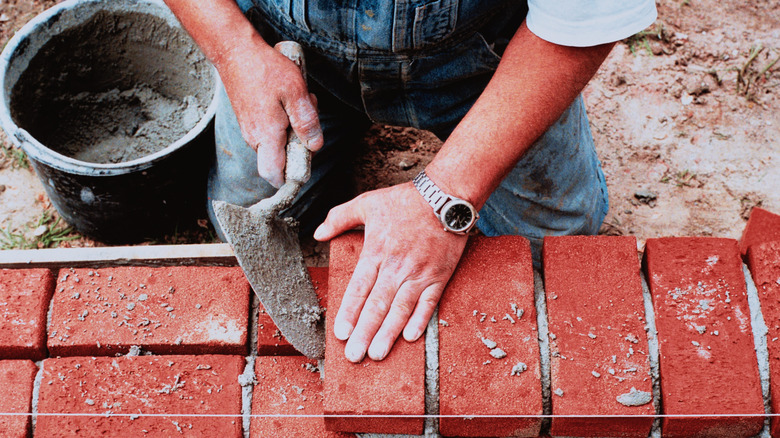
269	252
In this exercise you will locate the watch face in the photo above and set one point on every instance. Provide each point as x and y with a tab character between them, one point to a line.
458	217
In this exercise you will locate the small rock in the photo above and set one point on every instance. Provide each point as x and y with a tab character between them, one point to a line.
2	188
407	164
40	231
646	197
558	392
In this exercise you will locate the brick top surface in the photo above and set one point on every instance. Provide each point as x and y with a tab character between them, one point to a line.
185	385
494	274
16	388
762	226
597	326
490	299
24	301
395	385
708	364
288	386
164	310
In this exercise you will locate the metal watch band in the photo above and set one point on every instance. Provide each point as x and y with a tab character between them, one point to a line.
430	192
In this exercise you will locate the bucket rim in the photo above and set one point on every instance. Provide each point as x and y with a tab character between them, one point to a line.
40	153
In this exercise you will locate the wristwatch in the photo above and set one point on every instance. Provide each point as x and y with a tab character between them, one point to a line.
457	215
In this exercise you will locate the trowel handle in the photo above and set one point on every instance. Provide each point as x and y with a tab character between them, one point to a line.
298	166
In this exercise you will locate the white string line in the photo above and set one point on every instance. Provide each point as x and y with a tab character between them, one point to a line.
465	417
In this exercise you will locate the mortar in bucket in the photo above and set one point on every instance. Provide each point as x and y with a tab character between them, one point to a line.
113	103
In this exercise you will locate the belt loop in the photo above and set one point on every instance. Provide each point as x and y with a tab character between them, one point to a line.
299	14
400	25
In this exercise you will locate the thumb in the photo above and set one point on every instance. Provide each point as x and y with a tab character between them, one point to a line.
305	121
341	218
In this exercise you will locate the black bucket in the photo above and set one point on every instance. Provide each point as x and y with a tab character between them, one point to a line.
114	104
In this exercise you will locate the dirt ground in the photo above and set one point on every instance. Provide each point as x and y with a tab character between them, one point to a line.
685	118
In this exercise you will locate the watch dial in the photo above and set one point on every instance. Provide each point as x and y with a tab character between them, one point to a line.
458	217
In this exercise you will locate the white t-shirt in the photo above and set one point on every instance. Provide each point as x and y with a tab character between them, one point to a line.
583	23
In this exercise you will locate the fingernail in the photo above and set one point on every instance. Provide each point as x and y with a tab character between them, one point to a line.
342	330
377	353
416	335
318	233
355	353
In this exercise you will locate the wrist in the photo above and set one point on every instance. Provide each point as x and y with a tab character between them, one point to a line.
455	214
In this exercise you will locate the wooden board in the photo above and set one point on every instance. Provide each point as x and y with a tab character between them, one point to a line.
213	254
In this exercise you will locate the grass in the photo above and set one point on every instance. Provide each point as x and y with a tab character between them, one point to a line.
748	77
641	40
15	156
47	232
682	178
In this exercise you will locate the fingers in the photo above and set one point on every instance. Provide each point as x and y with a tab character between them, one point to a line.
405	302
341	218
423	312
358	289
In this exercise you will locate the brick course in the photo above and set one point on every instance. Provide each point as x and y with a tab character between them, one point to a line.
113	388
24	302
170	310
16	389
394	386
707	359
490	299
598	342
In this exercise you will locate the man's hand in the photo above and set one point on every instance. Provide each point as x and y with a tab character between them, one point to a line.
266	90
268	94
406	262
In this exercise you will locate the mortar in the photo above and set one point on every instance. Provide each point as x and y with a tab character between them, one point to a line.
114	104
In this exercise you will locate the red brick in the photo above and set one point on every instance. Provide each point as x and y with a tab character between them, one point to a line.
394	386
595	312
763	226
764	263
16	388
288	386
114	388
492	283
270	341
24	301
171	310
707	359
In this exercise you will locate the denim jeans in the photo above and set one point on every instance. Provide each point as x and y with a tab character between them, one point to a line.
412	63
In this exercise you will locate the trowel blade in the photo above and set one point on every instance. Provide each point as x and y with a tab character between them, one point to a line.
269	252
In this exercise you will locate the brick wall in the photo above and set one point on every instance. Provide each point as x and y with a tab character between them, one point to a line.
683	344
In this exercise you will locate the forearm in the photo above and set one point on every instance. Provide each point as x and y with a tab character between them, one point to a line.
534	84
218	27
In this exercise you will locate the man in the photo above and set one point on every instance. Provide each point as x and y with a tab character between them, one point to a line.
499	80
